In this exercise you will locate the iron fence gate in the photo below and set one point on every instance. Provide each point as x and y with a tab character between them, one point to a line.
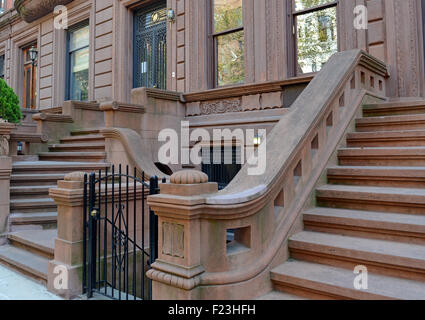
118	247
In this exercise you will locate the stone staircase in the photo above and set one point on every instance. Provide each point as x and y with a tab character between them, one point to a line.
33	217
371	213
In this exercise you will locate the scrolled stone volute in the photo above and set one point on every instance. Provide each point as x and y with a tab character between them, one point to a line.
75	176
189	177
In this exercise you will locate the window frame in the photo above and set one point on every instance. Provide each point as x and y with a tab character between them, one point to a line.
212	46
292	29
75	27
28	65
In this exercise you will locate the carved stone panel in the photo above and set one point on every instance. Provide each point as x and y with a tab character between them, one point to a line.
221	106
173	239
4	145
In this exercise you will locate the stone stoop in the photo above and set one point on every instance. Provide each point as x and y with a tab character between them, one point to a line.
371	213
33	215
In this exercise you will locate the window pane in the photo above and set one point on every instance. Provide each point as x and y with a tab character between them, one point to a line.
79	38
230	59
306	4
316	39
227	15
2	66
79	75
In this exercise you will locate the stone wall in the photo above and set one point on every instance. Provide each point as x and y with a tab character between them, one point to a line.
394	35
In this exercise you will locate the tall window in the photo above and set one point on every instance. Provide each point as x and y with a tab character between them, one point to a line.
78	62
30	71
315	33
2	66
229	42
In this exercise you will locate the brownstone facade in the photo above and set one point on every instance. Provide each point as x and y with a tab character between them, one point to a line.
394	35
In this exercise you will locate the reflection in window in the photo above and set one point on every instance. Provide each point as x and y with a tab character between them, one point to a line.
79	63
316	35
308	4
229	42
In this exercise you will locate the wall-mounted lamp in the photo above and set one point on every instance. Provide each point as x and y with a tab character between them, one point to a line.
33	54
257	141
171	15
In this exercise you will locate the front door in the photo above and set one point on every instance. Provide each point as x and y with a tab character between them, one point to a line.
150	47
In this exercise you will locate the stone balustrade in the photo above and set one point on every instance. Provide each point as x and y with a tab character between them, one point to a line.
197	260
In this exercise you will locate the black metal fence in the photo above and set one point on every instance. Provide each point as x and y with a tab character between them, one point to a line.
118	247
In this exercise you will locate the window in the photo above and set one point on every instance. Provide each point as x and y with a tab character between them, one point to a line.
228	42
2	66
315	33
30	71
78	63
228	166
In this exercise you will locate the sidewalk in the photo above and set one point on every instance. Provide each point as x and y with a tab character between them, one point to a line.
14	286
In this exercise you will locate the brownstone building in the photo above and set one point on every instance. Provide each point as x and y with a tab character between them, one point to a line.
98	80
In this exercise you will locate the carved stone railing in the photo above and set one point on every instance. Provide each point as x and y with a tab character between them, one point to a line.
31	10
262	210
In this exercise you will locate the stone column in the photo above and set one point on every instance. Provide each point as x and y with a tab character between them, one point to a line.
176	273
65	271
5	172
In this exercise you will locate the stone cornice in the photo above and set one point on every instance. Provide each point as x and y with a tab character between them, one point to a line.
243	90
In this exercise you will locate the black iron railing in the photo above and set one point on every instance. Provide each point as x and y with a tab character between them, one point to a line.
118	249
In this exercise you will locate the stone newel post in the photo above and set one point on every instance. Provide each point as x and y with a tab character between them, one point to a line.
65	271
176	272
5	172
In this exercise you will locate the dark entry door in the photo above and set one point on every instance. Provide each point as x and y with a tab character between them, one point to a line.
150	47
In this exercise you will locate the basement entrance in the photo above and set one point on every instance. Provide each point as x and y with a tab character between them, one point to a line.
120	234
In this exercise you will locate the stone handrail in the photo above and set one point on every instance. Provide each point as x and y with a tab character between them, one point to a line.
136	151
264	209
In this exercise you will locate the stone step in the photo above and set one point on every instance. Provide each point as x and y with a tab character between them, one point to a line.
39	220
32	205
368	224
391	123
318	281
40	242
405	138
397	156
278	295
382	257
36	179
25	262
89	131
403	177
30	191
73	156
56	167
83	139
78	147
394	108
380	199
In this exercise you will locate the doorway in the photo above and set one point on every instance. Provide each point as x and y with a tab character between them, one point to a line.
150	47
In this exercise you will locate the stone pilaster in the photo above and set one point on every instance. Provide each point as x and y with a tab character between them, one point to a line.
65	271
